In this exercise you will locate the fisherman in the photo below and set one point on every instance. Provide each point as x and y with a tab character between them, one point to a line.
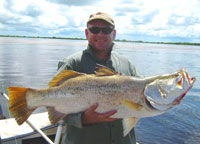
90	127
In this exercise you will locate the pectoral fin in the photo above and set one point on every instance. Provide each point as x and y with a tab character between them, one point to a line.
132	105
128	124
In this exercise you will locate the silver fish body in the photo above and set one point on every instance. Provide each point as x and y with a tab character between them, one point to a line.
72	92
110	92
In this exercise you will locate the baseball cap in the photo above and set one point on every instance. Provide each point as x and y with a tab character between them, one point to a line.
101	16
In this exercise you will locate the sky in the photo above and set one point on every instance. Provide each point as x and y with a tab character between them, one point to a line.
145	20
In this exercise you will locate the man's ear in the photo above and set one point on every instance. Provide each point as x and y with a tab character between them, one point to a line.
86	33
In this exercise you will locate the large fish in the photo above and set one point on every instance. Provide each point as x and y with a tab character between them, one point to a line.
72	92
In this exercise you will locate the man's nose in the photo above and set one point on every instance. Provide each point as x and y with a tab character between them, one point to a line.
100	33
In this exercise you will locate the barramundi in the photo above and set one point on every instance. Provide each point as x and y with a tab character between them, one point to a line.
72	92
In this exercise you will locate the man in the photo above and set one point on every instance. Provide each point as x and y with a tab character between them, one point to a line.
90	127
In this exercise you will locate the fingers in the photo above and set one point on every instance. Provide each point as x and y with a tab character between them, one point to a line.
92	109
90	116
107	114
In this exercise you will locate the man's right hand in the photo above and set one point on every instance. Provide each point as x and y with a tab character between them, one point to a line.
90	116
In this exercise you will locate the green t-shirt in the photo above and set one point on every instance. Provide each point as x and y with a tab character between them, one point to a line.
99	133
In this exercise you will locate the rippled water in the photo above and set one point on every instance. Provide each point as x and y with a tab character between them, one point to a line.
33	62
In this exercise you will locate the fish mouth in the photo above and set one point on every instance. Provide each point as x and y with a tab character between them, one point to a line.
191	82
187	78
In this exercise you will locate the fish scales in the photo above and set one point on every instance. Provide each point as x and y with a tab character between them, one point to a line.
107	92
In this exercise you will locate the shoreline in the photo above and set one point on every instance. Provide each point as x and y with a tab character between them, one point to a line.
139	41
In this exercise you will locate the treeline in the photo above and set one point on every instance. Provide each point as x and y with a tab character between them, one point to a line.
176	43
41	37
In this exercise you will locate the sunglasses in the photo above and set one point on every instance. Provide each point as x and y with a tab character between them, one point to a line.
105	30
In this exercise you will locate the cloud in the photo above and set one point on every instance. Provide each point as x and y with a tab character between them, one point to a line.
135	20
32	10
13	19
179	20
144	19
7	4
127	9
75	2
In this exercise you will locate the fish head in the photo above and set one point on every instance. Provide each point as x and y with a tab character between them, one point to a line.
168	90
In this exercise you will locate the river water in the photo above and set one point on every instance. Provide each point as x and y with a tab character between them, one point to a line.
33	62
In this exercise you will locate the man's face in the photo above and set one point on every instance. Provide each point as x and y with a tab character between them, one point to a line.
100	41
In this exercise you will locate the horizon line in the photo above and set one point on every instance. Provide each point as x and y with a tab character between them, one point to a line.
123	40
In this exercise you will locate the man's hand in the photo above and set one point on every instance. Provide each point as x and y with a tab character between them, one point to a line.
90	116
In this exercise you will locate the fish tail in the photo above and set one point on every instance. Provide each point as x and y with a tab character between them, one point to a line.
18	104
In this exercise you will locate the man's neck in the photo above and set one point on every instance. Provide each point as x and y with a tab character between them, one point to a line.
103	55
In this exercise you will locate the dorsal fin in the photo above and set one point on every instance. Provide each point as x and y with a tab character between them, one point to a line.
104	71
63	76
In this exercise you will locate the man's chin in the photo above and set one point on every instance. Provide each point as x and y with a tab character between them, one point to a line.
101	49
102	46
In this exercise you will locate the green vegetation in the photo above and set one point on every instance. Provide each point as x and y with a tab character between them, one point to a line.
176	43
41	37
